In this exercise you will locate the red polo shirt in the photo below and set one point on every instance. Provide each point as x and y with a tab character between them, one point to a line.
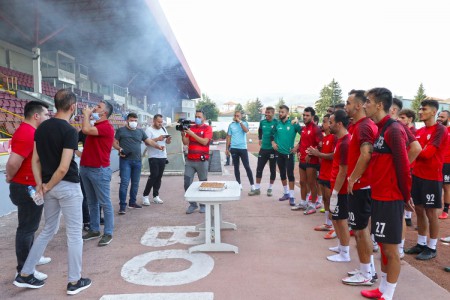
22	143
97	148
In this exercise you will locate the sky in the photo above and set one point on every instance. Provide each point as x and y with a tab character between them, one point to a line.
243	49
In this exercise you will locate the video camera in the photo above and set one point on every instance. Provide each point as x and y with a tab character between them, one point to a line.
183	124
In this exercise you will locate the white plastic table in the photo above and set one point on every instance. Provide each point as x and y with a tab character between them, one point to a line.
213	201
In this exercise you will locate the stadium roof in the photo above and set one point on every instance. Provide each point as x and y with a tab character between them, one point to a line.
126	42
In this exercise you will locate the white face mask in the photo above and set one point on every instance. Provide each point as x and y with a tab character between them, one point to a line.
132	125
92	122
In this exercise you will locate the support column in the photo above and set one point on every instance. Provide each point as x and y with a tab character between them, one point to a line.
37	76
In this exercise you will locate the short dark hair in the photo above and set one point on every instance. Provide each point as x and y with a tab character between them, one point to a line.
316	118
64	98
383	96
339	106
157	116
270	108
431	103
397	102
132	115
326	116
409	113
310	110
284	107
360	95
109	108
341	116
33	107
446	111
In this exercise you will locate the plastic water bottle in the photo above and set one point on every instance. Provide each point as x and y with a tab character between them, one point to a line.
36	197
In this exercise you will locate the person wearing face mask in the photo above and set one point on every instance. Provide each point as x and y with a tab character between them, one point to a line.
127	141
197	138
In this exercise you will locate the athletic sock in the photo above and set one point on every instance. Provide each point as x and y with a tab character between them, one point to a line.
422	240
388	294
408	214
257	186
344	251
286	189
327	219
253	187
320	199
372	266
432	243
446	205
270	185
291	193
383	281
401	247
365	270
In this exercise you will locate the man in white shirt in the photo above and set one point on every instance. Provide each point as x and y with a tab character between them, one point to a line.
156	159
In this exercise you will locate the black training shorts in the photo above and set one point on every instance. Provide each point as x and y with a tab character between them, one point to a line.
387	221
359	209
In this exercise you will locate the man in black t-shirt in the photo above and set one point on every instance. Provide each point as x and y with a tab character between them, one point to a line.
57	180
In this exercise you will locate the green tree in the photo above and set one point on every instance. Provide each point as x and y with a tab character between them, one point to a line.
253	109
279	103
330	95
420	96
208	107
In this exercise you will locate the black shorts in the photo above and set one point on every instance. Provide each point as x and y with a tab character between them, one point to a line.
325	183
304	166
341	211
446	173
387	221
426	192
359	209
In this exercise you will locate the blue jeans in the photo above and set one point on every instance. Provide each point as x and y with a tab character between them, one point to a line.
96	182
129	169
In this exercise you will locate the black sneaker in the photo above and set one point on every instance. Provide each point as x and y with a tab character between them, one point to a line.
134	205
29	282
122	211
408	222
82	284
427	254
91	235
417	249
105	240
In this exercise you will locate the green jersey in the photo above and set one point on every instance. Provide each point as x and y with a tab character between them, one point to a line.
284	135
265	133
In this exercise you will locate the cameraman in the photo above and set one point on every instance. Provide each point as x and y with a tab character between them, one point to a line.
197	138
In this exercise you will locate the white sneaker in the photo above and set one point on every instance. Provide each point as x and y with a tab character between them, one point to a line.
38	275
43	261
339	257
145	201
358	279
157	200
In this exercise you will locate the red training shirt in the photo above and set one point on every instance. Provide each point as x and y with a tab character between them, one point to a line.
364	131
328	145
430	161
97	148
340	158
390	164
195	149
447	148
311	137
22	143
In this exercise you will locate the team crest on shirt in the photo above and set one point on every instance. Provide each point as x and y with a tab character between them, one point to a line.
201	132
327	143
288	128
428	136
309	131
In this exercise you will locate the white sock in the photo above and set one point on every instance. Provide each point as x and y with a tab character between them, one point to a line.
408	214
320	199
270	185
401	246
257	186
388	294
422	240
291	193
326	217
344	251
432	244
253	187
365	270
383	281
286	189
372	266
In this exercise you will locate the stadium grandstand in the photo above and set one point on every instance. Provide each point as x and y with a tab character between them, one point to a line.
120	51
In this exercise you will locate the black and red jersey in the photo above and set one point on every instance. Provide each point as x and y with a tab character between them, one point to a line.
340	158
430	161
364	131
391	178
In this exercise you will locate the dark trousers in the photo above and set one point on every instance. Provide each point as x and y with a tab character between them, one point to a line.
86	218
29	216
243	154
157	166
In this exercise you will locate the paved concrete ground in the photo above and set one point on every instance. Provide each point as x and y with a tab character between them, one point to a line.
280	256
